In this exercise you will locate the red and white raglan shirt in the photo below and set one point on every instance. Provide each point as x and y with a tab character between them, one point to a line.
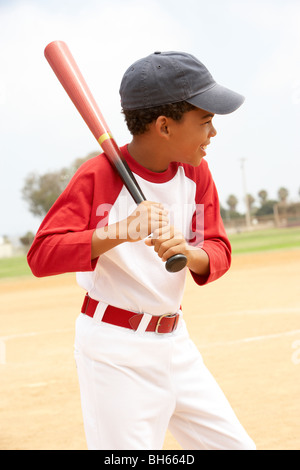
130	276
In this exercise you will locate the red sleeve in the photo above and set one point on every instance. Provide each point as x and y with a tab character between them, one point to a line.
63	241
214	238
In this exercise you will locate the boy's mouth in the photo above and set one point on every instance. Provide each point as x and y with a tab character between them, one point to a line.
203	148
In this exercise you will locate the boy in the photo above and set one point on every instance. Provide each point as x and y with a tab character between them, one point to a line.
139	372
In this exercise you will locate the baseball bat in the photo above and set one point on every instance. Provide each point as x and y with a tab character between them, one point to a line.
68	73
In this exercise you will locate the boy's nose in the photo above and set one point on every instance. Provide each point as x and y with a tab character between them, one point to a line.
213	132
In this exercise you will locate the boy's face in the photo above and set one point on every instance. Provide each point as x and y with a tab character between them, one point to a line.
189	137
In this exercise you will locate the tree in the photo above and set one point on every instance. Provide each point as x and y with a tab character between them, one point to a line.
232	202
263	196
222	212
41	191
250	201
267	208
283	195
27	239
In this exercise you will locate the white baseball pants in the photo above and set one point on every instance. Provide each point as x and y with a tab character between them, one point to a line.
136	385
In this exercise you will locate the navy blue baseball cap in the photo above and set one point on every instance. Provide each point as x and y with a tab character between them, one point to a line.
169	77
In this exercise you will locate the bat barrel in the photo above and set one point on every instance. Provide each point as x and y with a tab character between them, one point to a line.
68	73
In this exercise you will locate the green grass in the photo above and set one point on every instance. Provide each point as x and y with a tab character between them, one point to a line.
265	240
245	242
14	267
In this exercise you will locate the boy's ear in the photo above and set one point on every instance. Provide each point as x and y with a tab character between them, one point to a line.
161	126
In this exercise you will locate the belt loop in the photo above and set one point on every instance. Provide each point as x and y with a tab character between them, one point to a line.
85	303
100	310
143	323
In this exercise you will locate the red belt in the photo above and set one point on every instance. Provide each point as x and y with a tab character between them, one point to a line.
119	317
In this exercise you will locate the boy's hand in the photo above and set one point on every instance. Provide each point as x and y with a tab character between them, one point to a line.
147	218
168	241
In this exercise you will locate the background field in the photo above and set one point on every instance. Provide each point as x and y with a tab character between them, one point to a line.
247	326
265	240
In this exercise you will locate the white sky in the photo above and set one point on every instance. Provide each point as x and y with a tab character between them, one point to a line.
251	46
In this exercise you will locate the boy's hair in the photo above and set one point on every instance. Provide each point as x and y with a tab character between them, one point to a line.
137	120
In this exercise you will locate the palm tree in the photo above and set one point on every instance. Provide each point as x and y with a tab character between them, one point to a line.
283	195
250	201
232	202
263	196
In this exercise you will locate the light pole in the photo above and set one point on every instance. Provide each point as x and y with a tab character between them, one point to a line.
248	219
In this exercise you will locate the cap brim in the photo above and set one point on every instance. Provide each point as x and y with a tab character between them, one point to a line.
217	100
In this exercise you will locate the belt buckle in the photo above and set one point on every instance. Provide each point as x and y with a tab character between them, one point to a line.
169	315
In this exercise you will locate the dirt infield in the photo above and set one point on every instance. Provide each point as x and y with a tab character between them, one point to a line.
247	326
